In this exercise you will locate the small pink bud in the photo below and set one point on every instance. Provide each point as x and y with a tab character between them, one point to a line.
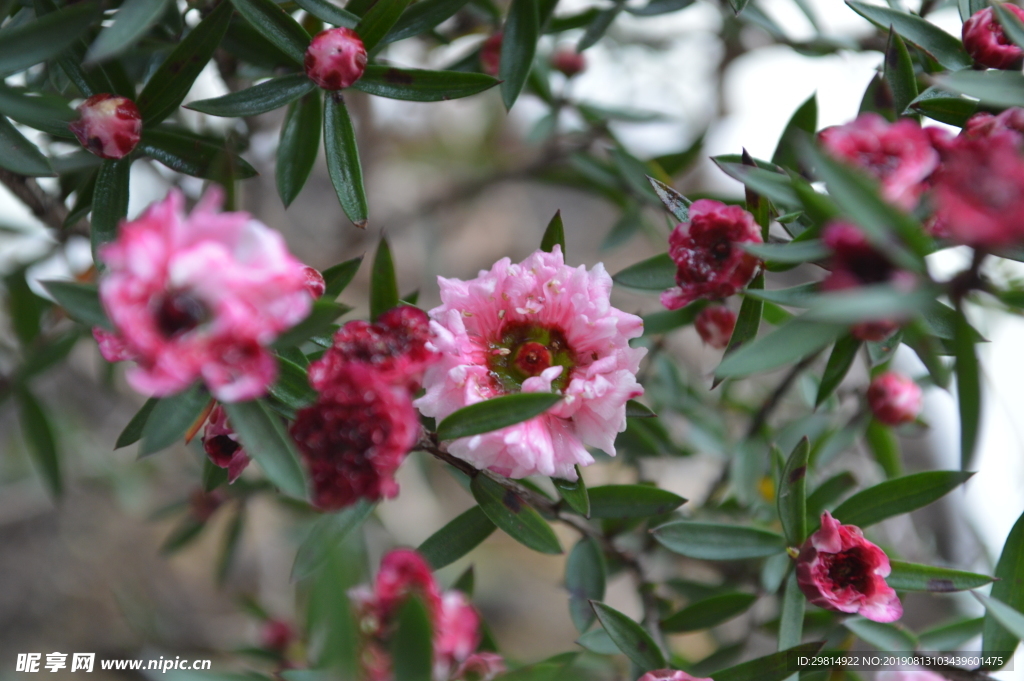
715	324
335	58
490	55
276	635
315	283
894	399
569	62
109	126
670	675
986	42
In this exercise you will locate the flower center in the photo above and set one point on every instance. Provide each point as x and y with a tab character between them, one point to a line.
179	313
221	448
525	350
849	569
721	250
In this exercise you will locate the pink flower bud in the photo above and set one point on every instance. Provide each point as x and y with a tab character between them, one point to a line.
986	42
894	399
670	675
490	55
108	126
335	58
315	282
838	569
276	635
221	444
569	62
715	325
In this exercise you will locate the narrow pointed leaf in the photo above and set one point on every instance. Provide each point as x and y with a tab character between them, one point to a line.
299	146
774	667
554	235
914	577
466	581
421	85
19	155
789	343
41	440
951	636
1011	23
337	278
292	386
598	26
791	619
899	73
884	636
266	441
885	447
675	203
968	389
326	535
631	501
192	154
844	352
946	49
457	538
585	577
81	301
378	20
49	113
132	432
518	47
996	636
630	638
828	493
1011	620
267	96
494	414
421	17
383	281
329	13
515	517
45	38
708	613
171	418
654	274
343	159
412	652
894	497
792	496
319	320
995	88
670	320
791	253
275	25
804	122
131	21
574	492
713	541
638	410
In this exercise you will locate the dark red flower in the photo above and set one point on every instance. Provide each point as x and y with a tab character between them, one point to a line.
838	569
986	42
709	261
108	126
715	325
490	54
335	58
222	446
569	62
894	399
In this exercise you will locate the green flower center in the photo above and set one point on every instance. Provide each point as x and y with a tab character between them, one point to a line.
525	350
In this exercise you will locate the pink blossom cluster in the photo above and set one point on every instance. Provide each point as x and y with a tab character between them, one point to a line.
455	623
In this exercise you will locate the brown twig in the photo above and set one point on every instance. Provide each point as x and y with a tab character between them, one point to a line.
47	208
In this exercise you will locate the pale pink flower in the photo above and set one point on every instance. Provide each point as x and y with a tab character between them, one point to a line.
536	326
670	675
199	296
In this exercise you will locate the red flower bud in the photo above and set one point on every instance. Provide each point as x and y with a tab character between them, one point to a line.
894	399
109	126
222	446
986	42
569	62
335	58
276	635
490	55
715	325
315	283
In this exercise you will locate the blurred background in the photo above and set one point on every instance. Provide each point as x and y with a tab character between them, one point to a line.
455	186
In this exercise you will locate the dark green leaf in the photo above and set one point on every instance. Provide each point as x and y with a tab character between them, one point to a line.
950	636
412	651
19	155
793	252
167	87
996	636
132	432
232	537
968	389
45	38
466	581
598	641
670	320
839	363
41	440
938	106
828	493
266	441
1011	23
378	20
885	448
457	538
712	541
676	203
1012	620
292	385
792	496
299	146
774	667
554	235
902	495
267	96
791	619
882	635
789	343
913	577
421	85
748	321
43	357
598	26
171	418
654	274
421	17
319	320
995	88
276	25
708	613
803	123
494	414
109	201
657	7
192	154
774	185
946	49
899	73
797	296
48	113
81	301
329	13
383	282
343	159
182	535
631	501
574	492
638	410
630	638
213	475
326	535
585	576
131	21
518	47
507	510
338	277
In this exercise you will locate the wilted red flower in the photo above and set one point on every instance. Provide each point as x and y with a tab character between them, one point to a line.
894	399
670	675
709	262
899	155
335	58
986	42
715	325
315	282
569	62
108	126
838	569
276	635
490	54
221	444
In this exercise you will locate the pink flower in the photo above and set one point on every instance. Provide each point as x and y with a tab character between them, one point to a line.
670	675
490	54
569	62
899	155
480	667
985	40
908	675
404	572
335	58
709	262
894	399
108	126
395	347
715	325
314	282
276	635
838	569
221	444
112	346
199	296
538	326
355	437
985	124
458	628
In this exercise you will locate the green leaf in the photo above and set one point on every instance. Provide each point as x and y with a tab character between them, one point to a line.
598	26
654	274
792	495
994	88
457	538
638	410
708	613
598	641
839	362
318	321
657	7
899	73
19	155
229	547
167	87
789	343
554	235
518	47
803	123
494	414
267	96
378	20
507	510
630	638
792	253
43	357
465	582
946	49
676	203
41	440
412	650
171	417
329	13
383	282
713	541
885	448
914	577
45	38
748	321
338	277
791	619
132	432
421	17
266	441
1009	589
192	154
109	201
421	85
894	497
343	159
881	635
968	389
81	301
48	113
326	535
631	501
299	146
796	296
131	21
585	577
670	320
772	184
1011	619
938	106
1011	23
574	492
950	636
186	532
774	667
276	25
213	475
292	385
828	493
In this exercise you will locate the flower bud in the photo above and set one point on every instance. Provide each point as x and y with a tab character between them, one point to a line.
569	62
986	42
715	325
315	283
490	55
108	126
894	399
276	635
335	58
